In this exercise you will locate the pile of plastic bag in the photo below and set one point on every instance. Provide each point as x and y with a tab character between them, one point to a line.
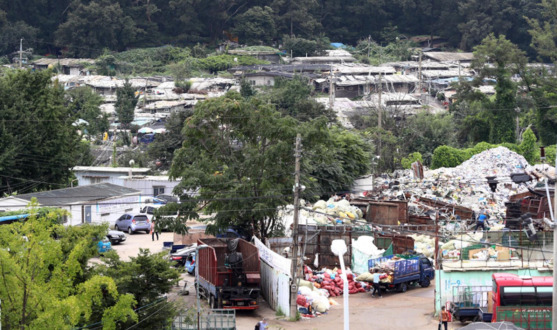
336	211
424	244
363	249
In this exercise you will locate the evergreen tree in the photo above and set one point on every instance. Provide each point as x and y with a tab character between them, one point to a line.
125	104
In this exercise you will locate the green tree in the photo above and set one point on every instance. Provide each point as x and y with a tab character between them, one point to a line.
413	157
97	24
528	147
237	154
164	146
292	98
41	282
544	31
302	47
38	144
256	25
129	278
125	104
84	104
424	132
507	59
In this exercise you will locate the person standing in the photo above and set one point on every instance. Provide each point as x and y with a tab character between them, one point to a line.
443	318
262	325
154	231
482	221
376	283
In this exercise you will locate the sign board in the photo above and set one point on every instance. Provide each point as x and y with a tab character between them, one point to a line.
272	258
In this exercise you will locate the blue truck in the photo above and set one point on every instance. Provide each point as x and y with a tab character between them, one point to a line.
405	272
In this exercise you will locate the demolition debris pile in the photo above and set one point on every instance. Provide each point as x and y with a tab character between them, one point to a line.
465	185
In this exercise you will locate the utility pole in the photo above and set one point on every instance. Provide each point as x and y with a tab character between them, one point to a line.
20	52
436	258
554	314
294	285
420	73
379	105
331	88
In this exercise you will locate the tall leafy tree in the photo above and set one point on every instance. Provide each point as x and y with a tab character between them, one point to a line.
148	278
41	278
39	144
238	153
84	103
256	25
498	58
166	144
125	103
92	26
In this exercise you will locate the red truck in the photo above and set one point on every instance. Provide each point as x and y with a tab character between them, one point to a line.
228	273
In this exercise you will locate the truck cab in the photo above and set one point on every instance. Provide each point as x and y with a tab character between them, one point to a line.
427	272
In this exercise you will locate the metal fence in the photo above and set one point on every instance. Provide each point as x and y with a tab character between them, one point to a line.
214	319
526	317
465	296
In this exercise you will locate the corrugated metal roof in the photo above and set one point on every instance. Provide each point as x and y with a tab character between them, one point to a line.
449	56
79	194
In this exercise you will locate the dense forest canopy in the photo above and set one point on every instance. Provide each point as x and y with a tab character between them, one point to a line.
86	27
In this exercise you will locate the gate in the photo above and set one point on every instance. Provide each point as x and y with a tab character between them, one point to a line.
213	319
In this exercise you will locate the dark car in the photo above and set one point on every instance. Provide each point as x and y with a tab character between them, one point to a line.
164	199
180	257
116	236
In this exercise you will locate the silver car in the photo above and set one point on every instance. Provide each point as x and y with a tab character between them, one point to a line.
133	223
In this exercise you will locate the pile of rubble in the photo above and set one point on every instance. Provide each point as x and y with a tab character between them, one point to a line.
465	185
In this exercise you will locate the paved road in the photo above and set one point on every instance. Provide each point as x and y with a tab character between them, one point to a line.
410	310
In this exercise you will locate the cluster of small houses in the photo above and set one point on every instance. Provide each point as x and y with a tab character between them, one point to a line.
104	193
398	87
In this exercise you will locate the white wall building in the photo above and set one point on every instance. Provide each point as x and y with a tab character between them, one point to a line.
150	185
87	175
96	203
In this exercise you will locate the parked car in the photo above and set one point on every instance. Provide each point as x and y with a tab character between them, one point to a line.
164	199
116	236
133	223
180	256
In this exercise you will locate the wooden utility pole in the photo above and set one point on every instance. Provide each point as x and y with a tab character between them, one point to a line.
420	73
379	105
294	285
20	52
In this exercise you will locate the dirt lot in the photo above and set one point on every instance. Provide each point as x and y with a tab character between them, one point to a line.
410	310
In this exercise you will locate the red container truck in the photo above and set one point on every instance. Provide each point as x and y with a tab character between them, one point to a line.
228	273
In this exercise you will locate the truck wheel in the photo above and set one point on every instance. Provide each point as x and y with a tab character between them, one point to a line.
212	303
425	283
403	287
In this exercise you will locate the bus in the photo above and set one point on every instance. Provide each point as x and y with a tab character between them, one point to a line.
523	300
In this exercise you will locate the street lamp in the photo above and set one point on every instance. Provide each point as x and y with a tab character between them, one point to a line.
339	249
197	248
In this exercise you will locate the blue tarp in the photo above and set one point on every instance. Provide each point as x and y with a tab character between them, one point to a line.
338	45
13	217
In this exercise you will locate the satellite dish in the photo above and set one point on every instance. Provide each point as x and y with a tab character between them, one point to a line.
132	162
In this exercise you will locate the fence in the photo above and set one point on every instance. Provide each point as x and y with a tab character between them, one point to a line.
526	317
214	319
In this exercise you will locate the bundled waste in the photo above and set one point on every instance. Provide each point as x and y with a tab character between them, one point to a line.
424	244
322	285
336	211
